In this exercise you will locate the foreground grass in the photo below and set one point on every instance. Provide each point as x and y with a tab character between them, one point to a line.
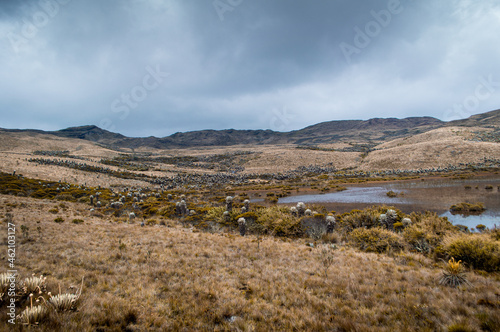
159	278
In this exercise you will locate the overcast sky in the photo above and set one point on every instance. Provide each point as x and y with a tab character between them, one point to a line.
155	67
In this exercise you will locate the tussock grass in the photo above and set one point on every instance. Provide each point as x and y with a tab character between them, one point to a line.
173	278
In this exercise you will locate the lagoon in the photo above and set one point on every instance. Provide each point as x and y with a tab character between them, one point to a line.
416	195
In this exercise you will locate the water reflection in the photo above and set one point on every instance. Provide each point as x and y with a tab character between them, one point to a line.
432	195
371	195
489	219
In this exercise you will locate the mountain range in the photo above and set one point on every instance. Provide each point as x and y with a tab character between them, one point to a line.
372	131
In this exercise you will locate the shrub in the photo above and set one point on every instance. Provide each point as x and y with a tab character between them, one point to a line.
278	221
391	194
77	221
481	228
495	234
468	208
326	257
427	232
460	327
375	240
167	210
151	222
314	227
65	197
217	214
54	210
59	220
462	228
398	226
479	251
356	218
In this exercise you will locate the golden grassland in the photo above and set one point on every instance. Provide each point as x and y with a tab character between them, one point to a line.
440	147
173	277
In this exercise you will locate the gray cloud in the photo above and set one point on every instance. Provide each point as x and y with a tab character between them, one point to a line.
74	62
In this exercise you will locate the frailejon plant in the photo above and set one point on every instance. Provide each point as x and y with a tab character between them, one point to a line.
330	224
6	280
301	208
453	274
33	284
229	203
33	315
242	226
66	301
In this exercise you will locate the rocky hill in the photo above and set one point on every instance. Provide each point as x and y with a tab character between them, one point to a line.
487	120
372	131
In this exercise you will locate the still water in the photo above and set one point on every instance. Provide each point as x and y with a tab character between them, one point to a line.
432	195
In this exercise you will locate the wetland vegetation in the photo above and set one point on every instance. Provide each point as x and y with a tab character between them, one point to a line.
231	258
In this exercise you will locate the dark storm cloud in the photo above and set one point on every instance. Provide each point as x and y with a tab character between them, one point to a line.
154	67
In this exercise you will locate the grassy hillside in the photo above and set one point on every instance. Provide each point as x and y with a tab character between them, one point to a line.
439	147
172	277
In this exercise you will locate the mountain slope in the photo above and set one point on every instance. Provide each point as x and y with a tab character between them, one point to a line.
488	119
375	130
372	131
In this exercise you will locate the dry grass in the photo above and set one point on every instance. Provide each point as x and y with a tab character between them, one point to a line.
439	147
160	278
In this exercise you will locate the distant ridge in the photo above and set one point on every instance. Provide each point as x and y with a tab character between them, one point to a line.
488	119
372	131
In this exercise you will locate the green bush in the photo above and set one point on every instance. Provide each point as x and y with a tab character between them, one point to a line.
495	234
278	221
167	210
478	251
391	194
427	232
356	218
481	228
367	218
151	222
468	208
375	240
59	220
248	216
77	221
398	226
